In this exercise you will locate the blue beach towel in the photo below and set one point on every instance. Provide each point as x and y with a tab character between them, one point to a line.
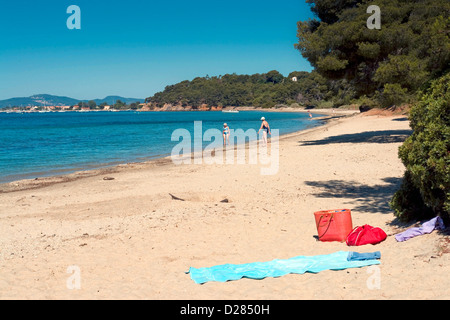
355	256
277	268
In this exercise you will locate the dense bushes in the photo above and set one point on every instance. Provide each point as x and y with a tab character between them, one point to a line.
425	190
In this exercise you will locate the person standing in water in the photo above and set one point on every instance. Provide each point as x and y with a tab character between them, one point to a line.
226	134
266	130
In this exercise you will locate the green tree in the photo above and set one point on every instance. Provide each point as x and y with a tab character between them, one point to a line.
412	47
274	77
393	94
406	70
119	105
92	104
328	11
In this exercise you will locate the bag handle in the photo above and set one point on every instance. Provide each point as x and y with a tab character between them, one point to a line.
358	235
329	223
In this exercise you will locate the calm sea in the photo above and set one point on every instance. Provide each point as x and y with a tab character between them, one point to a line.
43	144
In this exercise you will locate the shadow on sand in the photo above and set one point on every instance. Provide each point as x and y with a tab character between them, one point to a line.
384	136
401	119
371	199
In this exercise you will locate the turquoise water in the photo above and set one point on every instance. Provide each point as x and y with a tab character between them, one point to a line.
43	144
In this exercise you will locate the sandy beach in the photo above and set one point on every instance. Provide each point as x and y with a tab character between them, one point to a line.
128	238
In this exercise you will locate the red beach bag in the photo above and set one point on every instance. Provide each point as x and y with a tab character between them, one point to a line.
365	235
333	225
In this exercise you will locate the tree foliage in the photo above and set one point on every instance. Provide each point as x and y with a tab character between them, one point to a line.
411	48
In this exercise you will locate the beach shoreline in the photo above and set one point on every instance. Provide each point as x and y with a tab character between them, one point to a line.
105	169
135	235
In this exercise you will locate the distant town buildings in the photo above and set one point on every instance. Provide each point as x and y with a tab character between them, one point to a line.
55	108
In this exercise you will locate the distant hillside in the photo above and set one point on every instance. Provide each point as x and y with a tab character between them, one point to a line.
51	100
38	100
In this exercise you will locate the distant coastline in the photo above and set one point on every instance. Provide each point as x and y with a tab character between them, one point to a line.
47	100
145	108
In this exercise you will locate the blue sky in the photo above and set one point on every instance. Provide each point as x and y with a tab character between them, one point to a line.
135	48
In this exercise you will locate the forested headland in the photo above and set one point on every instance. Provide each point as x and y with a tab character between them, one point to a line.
258	90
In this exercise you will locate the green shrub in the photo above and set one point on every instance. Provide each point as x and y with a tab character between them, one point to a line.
325	104
366	102
426	157
408	203
393	94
